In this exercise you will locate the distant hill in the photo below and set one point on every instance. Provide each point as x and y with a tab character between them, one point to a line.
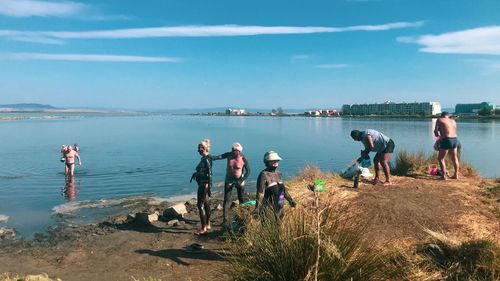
26	107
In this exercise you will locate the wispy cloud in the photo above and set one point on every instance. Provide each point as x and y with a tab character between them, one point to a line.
61	9
31	8
300	57
338	65
489	67
482	40
85	57
196	31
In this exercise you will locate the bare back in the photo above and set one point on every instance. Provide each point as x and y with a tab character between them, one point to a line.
446	128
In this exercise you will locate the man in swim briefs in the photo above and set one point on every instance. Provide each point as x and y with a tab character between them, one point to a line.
237	172
446	131
69	156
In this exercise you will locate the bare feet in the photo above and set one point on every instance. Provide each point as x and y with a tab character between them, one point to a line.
208	227
376	181
201	231
443	177
455	177
387	183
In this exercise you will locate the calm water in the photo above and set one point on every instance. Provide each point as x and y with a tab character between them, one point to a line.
156	155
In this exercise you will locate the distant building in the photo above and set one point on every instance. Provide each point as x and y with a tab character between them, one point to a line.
391	108
232	111
473	108
322	112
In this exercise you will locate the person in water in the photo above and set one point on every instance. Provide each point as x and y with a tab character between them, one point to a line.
70	190
69	157
237	172
446	131
203	177
271	190
383	146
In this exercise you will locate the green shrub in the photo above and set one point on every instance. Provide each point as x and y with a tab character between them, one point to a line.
288	251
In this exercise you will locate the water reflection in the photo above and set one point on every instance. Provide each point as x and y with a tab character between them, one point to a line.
71	190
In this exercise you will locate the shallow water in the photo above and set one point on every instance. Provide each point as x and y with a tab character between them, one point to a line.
155	155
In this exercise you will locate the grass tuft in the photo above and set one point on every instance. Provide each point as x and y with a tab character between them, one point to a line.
270	251
408	163
309	174
472	260
413	164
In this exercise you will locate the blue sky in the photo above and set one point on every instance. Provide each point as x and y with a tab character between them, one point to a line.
162	54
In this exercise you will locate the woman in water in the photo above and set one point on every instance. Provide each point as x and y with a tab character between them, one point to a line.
203	177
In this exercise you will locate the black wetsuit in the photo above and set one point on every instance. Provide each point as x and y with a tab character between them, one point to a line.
231	182
271	193
203	176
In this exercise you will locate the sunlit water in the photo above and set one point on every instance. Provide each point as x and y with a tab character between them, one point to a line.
155	155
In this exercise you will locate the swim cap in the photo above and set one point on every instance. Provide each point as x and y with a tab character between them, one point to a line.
271	156
237	146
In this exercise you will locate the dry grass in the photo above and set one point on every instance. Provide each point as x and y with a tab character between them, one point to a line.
40	277
269	251
408	164
414	164
45	277
146	279
309	174
477	260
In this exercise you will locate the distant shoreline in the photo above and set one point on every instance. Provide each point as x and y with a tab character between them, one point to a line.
70	114
418	117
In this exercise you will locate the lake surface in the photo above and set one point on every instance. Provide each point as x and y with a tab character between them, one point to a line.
155	155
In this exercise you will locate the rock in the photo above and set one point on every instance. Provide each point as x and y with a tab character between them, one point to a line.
173	223
177	211
120	219
219	207
145	217
4	218
235	203
191	202
7	233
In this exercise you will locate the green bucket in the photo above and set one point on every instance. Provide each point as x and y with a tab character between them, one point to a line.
319	185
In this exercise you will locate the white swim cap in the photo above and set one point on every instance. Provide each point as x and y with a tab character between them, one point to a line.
237	146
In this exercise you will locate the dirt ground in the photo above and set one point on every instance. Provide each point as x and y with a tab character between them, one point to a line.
119	249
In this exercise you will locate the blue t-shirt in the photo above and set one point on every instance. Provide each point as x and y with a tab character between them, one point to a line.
380	140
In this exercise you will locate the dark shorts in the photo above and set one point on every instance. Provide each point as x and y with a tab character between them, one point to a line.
69	165
448	143
390	147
